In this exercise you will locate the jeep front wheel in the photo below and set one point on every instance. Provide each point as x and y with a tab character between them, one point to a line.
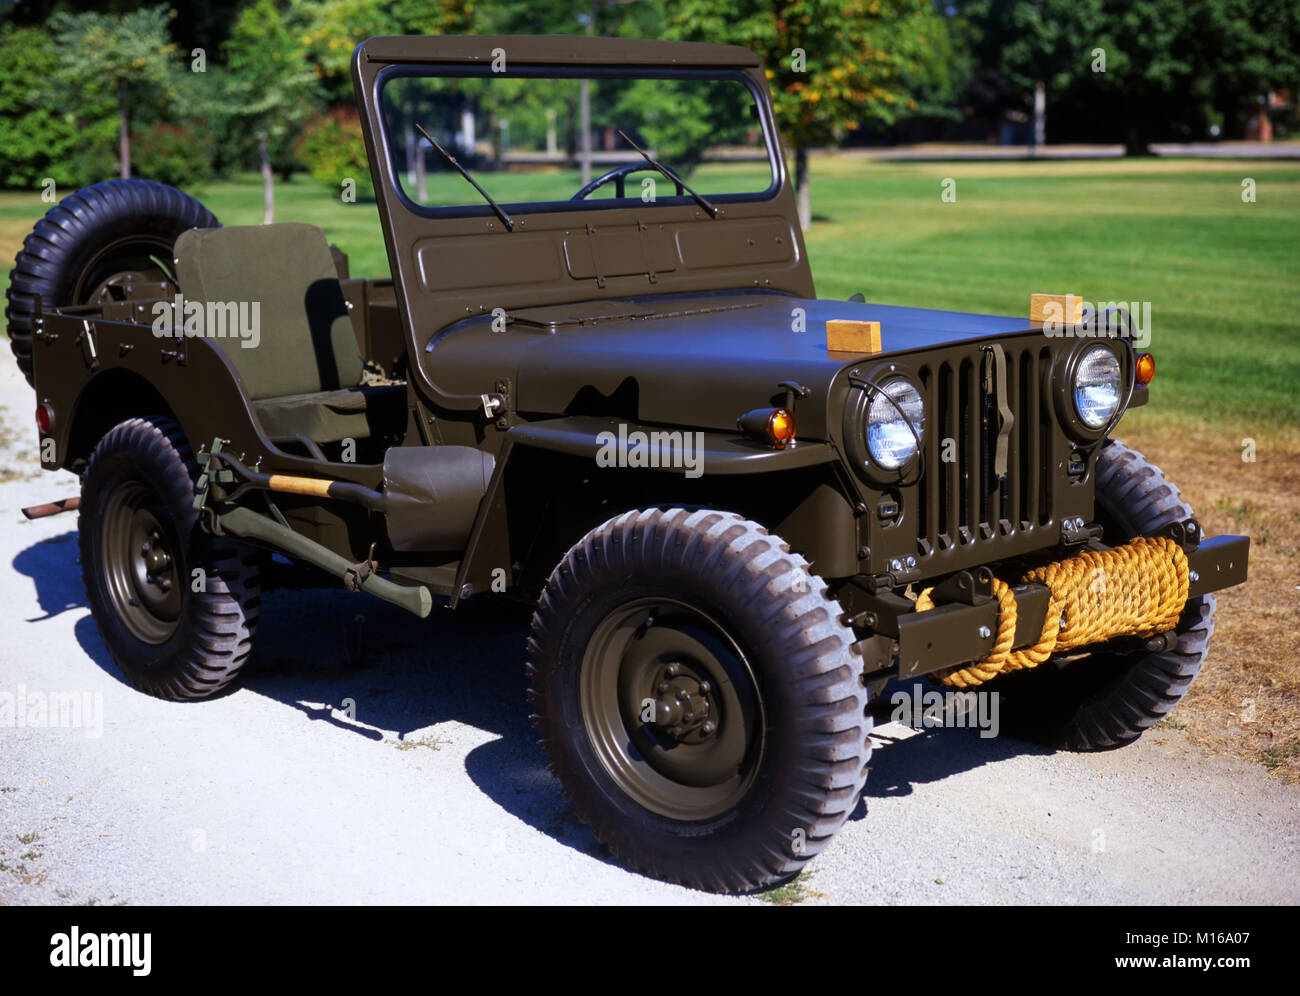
699	698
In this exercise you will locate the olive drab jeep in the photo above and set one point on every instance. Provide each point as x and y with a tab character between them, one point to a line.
610	390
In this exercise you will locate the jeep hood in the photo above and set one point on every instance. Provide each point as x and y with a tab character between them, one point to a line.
690	360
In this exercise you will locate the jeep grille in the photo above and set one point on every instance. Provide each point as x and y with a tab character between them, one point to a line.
962	503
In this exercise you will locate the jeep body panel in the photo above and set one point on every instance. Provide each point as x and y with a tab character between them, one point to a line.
695	360
129	371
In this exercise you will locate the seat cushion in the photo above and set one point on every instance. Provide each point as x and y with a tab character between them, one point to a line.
330	416
306	343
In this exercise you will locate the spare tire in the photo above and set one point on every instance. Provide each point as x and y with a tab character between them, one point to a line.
87	238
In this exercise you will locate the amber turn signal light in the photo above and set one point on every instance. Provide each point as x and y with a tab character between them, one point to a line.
1146	368
775	426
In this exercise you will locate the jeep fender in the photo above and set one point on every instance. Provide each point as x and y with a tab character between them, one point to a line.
609	444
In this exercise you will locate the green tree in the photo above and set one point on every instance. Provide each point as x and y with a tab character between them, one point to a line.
833	64
331	30
129	55
35	141
269	86
1139	71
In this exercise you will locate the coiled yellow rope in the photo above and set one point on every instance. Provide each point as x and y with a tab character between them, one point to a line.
1138	589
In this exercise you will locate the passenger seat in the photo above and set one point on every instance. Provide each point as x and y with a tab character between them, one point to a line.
304	377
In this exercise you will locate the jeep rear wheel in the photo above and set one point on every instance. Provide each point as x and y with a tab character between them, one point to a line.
699	698
90	241
175	607
1111	696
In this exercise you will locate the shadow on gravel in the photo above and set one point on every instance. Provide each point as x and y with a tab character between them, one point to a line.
931	755
319	648
52	566
401	673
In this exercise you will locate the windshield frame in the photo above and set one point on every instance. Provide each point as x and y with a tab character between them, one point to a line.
437	70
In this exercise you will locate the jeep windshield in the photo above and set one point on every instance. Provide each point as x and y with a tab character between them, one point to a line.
539	140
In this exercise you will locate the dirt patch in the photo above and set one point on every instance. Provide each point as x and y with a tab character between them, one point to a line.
1246	701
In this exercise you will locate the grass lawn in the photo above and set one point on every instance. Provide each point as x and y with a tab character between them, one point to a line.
1222	276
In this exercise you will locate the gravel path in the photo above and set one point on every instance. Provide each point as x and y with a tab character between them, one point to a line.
375	758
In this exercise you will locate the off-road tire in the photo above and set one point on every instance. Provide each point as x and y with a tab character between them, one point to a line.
1110	699
144	471
808	677
70	239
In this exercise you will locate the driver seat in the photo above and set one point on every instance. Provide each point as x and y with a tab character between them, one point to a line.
304	376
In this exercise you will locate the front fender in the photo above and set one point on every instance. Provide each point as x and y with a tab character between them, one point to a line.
613	443
689	452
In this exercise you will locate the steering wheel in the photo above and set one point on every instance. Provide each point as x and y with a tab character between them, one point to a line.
619	175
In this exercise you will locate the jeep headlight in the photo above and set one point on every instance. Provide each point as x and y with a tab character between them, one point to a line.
895	422
1097	386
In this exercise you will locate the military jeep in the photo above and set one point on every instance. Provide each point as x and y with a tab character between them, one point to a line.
739	510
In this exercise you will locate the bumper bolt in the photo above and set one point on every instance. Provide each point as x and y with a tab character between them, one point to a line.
985	632
1193	576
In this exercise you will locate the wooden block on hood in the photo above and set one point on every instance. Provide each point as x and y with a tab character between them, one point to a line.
849	335
1069	310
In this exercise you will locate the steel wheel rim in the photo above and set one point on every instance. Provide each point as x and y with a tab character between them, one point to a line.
141	569
130	253
673	765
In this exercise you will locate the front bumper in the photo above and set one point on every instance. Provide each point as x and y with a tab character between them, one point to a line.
952	633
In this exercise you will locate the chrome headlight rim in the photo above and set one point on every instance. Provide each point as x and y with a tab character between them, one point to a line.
865	387
1066	374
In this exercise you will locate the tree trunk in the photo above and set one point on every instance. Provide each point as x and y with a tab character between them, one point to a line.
123	134
1135	142
268	180
421	175
584	130
803	194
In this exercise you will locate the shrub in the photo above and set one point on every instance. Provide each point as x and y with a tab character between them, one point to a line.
332	147
174	154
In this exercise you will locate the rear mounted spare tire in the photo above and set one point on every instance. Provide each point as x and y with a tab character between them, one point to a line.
86	239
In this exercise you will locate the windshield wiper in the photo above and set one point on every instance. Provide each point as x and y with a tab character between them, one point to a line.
505	218
699	198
